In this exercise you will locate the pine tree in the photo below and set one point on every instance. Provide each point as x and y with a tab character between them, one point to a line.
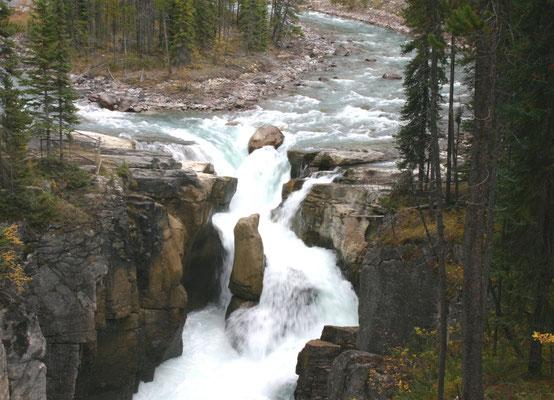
41	36
413	138
284	19
14	119
254	24
205	23
184	38
64	95
524	256
52	94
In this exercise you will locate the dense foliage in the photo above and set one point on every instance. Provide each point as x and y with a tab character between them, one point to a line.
508	47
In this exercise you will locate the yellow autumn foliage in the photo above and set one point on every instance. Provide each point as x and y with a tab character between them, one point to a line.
10	270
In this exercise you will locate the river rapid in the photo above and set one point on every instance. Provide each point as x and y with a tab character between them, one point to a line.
346	106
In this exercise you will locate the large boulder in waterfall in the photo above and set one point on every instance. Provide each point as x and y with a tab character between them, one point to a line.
267	135
248	265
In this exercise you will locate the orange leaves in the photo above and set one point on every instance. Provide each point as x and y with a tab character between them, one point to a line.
10	270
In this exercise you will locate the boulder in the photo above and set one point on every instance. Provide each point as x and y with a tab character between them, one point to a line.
248	265
106	100
124	105
398	291
390	75
313	366
267	135
341	51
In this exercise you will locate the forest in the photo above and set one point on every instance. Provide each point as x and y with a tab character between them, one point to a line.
490	160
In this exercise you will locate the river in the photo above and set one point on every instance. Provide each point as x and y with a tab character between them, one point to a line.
347	106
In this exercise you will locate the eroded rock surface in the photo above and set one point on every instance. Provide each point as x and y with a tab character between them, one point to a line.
109	286
341	215
398	291
267	135
22	351
247	276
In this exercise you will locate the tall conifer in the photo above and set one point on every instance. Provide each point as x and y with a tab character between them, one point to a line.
184	40
14	119
414	137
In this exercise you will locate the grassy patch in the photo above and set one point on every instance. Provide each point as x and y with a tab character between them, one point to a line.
46	195
409	227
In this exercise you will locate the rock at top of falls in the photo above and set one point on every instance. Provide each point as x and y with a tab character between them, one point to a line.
248	265
267	135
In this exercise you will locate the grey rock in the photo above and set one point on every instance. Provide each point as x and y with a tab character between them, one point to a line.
398	292
349	374
390	75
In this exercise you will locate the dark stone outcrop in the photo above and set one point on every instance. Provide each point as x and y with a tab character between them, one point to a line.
267	135
332	368
345	336
313	366
349	374
398	291
22	351
108	285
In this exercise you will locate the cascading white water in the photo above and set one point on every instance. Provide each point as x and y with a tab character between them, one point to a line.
303	291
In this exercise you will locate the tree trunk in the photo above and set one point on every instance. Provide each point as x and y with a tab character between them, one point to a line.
166	43
475	223
436	181
450	136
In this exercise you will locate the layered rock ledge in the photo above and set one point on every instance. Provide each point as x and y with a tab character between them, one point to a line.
112	286
341	215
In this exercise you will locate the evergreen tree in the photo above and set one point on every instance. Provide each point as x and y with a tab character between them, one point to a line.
524	256
64	95
284	19
414	137
184	38
205	23
52	94
13	117
41	36
254	24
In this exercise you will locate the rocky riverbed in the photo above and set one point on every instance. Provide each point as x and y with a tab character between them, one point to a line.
239	87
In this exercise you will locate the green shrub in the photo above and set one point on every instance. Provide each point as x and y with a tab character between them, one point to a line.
64	174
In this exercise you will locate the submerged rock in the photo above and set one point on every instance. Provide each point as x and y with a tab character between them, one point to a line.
390	75
267	135
248	266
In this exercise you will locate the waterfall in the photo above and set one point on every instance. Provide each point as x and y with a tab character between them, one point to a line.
253	355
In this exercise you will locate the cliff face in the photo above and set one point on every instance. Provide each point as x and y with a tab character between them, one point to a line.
341	215
109	287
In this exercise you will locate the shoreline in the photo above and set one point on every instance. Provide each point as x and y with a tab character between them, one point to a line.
265	77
